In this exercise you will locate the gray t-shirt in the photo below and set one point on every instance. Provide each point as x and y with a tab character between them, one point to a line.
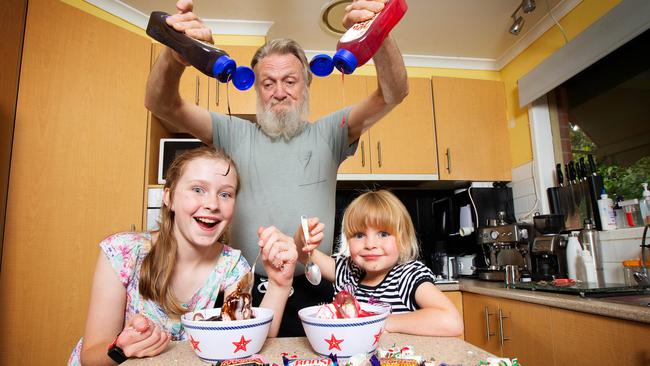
282	180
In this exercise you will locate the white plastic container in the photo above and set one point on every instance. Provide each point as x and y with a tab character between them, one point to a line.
573	254
606	211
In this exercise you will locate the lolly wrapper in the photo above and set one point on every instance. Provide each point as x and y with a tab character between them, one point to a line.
255	360
331	360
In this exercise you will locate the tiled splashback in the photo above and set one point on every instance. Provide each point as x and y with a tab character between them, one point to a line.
523	191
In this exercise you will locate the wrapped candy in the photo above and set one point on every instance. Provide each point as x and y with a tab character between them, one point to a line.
398	362
331	360
404	353
255	360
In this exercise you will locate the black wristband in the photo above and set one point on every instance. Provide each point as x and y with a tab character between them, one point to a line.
115	353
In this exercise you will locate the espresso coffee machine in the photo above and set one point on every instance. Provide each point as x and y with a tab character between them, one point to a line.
503	244
548	252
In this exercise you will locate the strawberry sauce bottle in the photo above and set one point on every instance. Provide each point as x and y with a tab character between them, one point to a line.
206	58
361	41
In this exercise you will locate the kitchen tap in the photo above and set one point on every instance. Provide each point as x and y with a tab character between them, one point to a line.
641	277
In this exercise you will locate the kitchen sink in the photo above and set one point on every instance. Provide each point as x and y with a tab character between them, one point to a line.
639	300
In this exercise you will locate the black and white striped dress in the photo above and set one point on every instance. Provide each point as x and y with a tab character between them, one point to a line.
397	289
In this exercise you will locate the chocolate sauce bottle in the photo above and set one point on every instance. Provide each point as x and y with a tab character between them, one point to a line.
207	58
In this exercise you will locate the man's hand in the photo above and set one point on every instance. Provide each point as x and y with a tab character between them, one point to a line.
189	23
361	10
279	255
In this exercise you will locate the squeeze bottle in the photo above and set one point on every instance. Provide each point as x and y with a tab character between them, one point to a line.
205	57
361	41
606	212
592	253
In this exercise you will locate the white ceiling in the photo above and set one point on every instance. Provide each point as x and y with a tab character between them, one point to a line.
435	33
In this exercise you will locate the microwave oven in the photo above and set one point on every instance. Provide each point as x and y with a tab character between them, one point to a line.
170	149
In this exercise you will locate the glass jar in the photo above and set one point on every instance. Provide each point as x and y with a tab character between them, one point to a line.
632	212
629	267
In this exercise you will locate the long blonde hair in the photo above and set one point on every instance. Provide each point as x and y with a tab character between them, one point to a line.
158	265
382	210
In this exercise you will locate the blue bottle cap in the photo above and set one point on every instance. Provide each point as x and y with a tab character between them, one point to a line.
321	65
223	68
345	61
243	78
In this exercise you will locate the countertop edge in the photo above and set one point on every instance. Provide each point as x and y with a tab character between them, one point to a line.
568	302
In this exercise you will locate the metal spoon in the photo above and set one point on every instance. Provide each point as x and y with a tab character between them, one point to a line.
252	272
312	271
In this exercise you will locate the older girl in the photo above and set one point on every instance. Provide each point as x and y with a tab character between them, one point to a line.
145	281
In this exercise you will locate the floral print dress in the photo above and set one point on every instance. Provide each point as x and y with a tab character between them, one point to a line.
126	251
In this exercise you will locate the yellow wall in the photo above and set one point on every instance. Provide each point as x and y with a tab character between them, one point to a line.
580	18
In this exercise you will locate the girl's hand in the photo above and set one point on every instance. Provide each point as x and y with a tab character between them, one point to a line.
142	338
189	23
279	255
361	10
315	237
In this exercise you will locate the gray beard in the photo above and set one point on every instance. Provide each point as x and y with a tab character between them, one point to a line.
285	124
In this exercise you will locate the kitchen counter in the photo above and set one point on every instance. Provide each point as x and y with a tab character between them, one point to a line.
598	306
443	349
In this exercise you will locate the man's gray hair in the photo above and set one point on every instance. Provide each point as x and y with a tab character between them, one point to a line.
283	46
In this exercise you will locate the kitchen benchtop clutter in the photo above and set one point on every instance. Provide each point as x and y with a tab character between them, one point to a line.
393	356
344	332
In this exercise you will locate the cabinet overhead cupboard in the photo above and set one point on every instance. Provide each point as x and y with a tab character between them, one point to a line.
402	142
77	174
451	128
470	118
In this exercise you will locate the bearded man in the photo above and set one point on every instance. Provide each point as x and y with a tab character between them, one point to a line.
287	165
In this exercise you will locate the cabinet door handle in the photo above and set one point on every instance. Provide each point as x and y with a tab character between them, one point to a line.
379	153
132	227
487	324
216	93
502	338
448	154
363	155
196	92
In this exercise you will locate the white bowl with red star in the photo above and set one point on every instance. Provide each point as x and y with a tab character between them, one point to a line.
344	337
215	341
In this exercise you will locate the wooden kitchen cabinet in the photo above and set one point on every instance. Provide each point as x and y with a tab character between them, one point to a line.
209	93
509	328
481	325
456	297
242	102
587	339
331	93
403	142
194	85
470	119
77	174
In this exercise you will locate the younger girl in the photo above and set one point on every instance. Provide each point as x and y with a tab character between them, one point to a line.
382	265
145	281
